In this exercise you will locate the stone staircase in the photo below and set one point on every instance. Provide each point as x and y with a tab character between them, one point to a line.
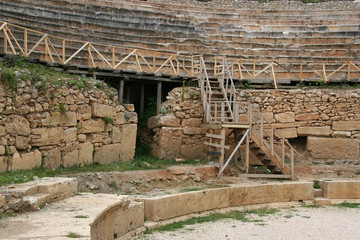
224	113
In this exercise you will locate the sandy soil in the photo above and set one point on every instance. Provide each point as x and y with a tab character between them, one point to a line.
295	223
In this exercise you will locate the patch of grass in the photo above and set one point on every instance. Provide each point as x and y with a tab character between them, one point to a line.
113	185
73	235
289	216
316	184
236	215
108	120
348	205
22	176
191	189
330	163
315	163
263	211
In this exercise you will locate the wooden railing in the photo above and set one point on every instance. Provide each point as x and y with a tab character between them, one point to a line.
325	71
205	90
18	40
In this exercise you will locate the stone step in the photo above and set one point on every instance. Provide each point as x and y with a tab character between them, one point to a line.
32	195
322	201
95	216
318	193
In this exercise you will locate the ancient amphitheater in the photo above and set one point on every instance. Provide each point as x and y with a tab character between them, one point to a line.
272	85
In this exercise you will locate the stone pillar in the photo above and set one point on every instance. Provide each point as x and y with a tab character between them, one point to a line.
121	90
158	97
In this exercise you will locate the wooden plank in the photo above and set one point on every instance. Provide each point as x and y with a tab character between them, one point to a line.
117	65
280	176
36	45
213	153
214	136
217	145
244	126
16	42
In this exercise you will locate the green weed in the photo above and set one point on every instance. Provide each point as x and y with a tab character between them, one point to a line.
73	235
191	189
81	216
348	205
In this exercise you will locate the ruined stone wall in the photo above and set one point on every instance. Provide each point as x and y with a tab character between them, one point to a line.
62	126
328	119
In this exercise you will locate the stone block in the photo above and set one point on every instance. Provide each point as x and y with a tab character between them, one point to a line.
307	116
163	121
2	131
287	132
81	137
102	110
2	150
120	118
129	107
52	159
47	136
191	122
86	154
314	131
286	117
71	159
83	112
115	135
169	142
91	126
341	134
194	131
283	125
22	142
67	119
342	189
108	154
70	135
17	125
26	160
333	148
3	163
346	126
128	142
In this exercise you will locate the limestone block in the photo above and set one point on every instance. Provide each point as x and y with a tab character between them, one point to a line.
2	131
120	118
170	141
128	141
2	150
115	135
67	119
287	132
102	110
346	126
194	131
333	148
52	158
126	117
83	112
133	117
86	154
17	125
26	160
342	189
314	131
108	154
129	107
22	142
81	137
191	122
47	136
285	117
70	135
283	125
307	116
163	121
91	126
341	134
3	163
71	159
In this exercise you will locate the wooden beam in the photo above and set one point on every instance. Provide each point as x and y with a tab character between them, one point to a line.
217	145
79	50
121	90
214	136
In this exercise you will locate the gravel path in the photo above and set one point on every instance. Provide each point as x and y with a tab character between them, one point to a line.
295	223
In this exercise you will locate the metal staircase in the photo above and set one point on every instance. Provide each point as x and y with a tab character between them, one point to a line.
222	114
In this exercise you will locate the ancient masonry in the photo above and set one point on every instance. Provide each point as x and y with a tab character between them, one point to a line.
329	120
63	126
